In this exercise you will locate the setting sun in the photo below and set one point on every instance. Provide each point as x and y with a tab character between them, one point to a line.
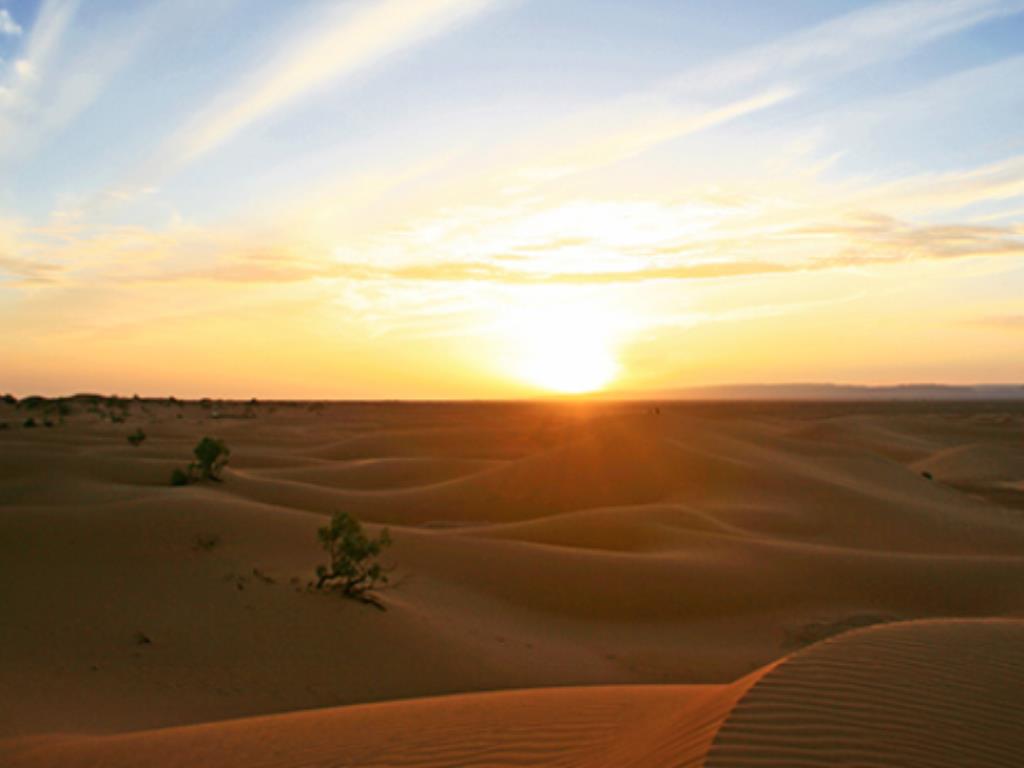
569	366
568	347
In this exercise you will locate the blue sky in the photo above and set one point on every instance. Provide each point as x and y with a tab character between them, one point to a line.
405	197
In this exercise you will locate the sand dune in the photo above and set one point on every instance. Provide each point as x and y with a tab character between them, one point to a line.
929	693
976	463
937	693
600	726
540	550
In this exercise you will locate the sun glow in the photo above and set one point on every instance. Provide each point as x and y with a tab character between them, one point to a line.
566	348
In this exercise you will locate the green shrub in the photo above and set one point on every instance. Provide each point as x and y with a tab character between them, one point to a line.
211	457
29	423
137	437
353	568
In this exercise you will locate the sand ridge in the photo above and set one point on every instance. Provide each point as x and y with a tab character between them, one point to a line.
921	693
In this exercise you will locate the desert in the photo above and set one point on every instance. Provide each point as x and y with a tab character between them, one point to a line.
599	583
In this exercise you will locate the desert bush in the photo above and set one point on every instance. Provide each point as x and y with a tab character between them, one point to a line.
29	423
211	457
60	408
10	399
137	437
353	567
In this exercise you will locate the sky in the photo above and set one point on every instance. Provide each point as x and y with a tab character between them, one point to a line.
504	198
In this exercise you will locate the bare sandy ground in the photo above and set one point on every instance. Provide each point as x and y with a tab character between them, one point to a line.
628	588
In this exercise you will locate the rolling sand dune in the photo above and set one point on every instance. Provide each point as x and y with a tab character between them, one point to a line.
935	693
599	726
613	579
926	693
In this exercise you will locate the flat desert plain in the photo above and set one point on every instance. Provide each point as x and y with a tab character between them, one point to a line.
572	584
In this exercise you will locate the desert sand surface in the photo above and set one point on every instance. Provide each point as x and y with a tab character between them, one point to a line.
573	584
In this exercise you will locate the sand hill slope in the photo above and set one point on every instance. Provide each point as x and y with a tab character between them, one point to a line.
926	693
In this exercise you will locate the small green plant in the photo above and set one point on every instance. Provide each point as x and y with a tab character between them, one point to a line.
353	568
29	423
137	437
211	457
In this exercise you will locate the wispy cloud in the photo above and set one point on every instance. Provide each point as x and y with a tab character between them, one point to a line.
21	80
934	192
880	31
28	272
347	42
755	79
8	26
733	248
55	79
722	91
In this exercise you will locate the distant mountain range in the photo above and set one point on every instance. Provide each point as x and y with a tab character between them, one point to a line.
837	392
